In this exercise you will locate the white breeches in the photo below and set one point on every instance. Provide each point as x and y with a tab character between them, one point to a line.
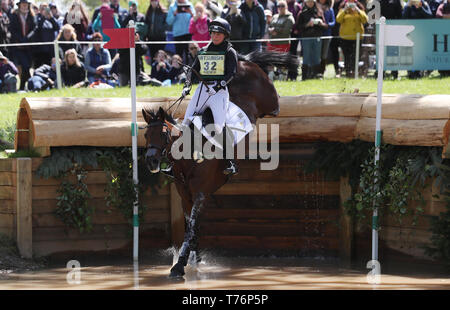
218	103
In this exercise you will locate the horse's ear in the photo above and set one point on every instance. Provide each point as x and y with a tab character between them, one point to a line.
146	116
161	114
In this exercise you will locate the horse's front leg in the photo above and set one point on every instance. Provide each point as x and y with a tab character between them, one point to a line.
190	238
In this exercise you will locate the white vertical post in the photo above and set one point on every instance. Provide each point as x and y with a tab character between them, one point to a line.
58	65
380	60
134	133
358	39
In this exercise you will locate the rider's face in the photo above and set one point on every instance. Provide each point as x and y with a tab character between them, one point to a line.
217	37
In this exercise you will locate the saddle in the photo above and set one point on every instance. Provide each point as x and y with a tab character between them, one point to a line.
236	121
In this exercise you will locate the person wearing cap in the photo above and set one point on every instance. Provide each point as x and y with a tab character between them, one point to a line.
8	72
135	16
216	64
22	28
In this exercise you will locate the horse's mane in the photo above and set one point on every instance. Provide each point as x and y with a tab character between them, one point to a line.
154	114
265	59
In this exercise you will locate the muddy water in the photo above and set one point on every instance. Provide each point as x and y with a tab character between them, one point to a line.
223	273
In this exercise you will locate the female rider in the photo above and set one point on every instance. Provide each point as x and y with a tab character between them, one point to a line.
216	63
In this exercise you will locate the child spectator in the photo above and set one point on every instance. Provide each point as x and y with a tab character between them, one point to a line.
73	72
8	72
160	67
176	73
44	77
198	26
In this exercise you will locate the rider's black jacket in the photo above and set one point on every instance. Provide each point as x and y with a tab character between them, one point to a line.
231	60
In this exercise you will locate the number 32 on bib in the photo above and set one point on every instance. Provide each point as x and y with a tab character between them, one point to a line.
212	65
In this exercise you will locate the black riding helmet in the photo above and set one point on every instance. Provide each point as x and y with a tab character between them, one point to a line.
220	25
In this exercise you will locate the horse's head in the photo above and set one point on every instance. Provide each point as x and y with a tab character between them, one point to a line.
157	137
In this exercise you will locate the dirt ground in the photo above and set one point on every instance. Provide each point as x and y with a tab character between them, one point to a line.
223	273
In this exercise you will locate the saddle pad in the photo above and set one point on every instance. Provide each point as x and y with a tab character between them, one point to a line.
236	120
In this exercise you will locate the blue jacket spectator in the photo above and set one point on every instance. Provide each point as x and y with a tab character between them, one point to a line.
97	61
8	72
417	9
179	17
253	13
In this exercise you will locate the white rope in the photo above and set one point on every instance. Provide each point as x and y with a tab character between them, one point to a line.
175	42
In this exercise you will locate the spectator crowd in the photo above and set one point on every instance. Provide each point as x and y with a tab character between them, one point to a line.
33	67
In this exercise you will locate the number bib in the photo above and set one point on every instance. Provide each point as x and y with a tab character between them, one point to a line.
212	65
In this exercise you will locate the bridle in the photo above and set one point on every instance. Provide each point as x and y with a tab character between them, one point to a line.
166	134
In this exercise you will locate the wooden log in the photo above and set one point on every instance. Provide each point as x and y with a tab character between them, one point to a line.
86	132
403	132
409	107
24	210
86	108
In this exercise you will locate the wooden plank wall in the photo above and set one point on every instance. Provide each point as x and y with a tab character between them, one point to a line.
8	197
404	238
110	229
280	211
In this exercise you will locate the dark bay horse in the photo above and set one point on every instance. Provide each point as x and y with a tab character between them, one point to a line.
255	94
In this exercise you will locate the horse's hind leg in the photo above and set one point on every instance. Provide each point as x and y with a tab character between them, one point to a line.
190	238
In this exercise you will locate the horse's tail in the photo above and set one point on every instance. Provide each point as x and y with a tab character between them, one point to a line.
265	59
